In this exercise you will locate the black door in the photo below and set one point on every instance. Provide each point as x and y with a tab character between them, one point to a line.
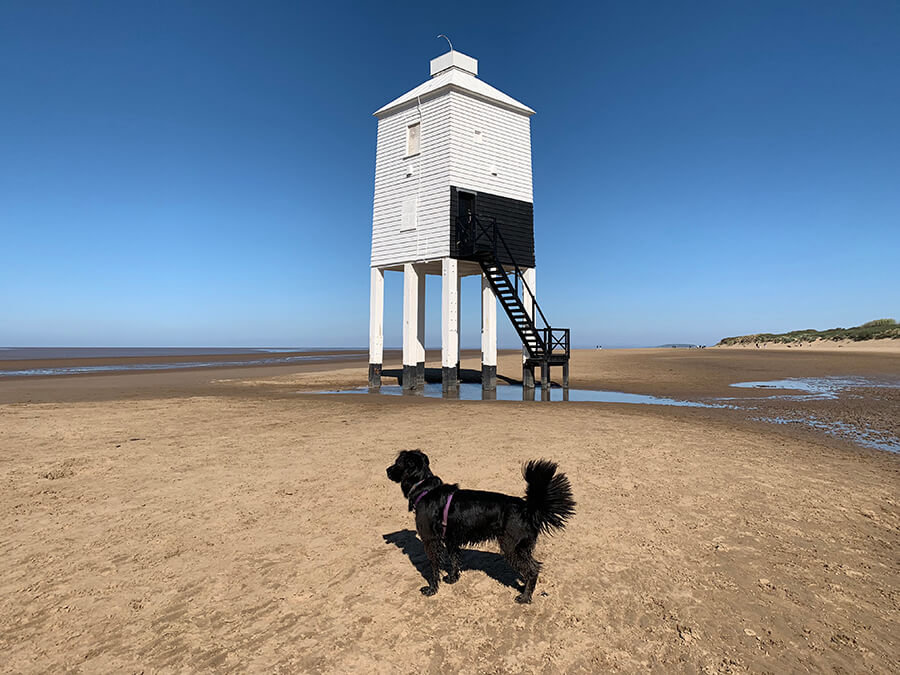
466	206
466	223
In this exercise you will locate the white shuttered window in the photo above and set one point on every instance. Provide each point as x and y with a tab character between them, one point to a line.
412	139
408	218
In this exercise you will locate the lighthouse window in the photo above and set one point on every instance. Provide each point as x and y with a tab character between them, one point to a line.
412	139
408	214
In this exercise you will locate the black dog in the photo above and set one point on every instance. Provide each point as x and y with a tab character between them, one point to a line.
448	516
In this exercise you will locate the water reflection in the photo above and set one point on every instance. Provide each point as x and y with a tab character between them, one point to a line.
472	391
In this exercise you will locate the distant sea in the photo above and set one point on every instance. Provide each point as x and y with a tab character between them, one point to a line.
156	358
28	353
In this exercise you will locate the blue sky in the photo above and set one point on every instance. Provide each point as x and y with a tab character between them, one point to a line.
201	174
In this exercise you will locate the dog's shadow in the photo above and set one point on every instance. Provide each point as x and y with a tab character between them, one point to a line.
491	564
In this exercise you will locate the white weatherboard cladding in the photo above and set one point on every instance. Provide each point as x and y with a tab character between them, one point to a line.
465	141
428	185
504	147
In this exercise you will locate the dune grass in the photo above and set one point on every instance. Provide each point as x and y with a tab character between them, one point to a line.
871	330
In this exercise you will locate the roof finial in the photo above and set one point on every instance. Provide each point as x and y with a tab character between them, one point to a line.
447	39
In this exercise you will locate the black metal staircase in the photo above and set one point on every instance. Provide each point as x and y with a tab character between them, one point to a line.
545	346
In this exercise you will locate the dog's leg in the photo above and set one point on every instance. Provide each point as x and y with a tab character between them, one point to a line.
532	568
433	551
520	559
453	555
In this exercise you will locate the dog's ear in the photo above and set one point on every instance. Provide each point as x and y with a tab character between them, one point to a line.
421	456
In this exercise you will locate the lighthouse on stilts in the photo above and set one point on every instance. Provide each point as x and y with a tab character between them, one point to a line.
453	197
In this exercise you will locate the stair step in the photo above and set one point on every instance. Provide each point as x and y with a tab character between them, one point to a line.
507	291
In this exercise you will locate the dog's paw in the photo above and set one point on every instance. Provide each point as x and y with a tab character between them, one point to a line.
428	591
523	599
451	578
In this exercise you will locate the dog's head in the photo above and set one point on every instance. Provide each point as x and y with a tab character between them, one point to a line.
411	466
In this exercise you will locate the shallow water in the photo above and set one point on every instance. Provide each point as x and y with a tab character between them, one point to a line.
818	388
810	389
251	360
865	436
471	391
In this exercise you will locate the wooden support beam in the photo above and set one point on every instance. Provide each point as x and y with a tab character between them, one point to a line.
449	324
488	336
376	326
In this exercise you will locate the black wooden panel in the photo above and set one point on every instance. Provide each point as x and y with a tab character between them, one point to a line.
514	218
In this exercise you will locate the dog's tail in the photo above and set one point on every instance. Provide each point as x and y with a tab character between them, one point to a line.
548	495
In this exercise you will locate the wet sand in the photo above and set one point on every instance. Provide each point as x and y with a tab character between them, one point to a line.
218	519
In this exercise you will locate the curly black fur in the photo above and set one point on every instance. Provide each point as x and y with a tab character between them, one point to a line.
476	516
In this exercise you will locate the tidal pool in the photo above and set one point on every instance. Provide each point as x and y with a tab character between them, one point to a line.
797	390
819	388
471	391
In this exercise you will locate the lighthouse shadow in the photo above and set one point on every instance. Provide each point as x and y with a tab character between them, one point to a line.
492	564
433	375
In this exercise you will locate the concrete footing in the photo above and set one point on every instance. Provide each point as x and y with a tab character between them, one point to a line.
449	379
488	378
527	376
374	374
410	377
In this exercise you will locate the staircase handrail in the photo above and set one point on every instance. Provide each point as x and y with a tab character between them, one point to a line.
494	235
548	338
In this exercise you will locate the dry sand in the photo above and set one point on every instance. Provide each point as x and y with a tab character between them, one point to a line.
180	522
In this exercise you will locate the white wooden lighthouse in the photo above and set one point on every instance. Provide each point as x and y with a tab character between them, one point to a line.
453	197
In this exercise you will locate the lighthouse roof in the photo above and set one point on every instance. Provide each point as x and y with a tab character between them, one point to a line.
455	71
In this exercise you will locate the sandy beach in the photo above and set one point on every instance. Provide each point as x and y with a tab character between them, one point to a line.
883	346
227	519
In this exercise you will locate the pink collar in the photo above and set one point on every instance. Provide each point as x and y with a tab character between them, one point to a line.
422	494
